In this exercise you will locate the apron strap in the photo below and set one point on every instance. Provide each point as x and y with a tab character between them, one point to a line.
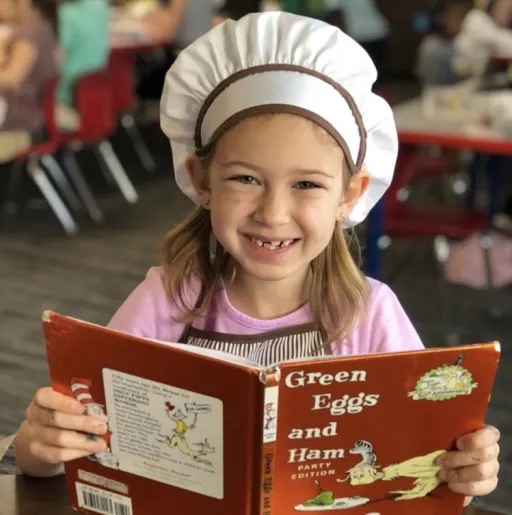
188	327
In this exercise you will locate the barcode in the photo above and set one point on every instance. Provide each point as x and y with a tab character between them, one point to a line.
102	501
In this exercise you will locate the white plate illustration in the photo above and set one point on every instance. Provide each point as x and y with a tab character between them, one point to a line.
342	503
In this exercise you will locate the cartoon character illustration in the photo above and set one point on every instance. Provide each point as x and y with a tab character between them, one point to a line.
322	498
325	500
186	422
81	389
421	468
270	416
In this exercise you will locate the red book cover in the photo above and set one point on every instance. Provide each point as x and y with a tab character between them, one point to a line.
197	431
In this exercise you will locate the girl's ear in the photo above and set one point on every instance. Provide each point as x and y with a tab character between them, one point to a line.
356	188
199	179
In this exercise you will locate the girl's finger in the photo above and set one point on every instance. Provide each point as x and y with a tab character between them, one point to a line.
485	437
474	473
475	489
457	459
50	399
56	455
53	437
57	419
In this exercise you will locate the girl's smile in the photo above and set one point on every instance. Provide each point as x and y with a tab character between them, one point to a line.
270	249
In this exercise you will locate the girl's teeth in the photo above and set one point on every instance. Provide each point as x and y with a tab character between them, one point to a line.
272	245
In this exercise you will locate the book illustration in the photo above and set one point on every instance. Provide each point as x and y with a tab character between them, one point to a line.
270	416
444	383
186	421
165	433
325	500
422	469
81	388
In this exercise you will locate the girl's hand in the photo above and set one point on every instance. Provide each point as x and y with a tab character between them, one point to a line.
472	470
58	431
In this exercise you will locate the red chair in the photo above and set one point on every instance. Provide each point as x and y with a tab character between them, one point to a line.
93	98
40	156
407	220
121	70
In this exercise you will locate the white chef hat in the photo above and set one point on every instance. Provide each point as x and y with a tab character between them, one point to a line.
276	62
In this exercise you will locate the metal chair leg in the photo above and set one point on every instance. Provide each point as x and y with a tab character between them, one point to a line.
118	172
84	192
105	170
62	182
495	310
14	187
50	194
442	253
140	147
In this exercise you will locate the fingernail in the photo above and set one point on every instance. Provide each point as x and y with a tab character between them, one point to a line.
91	437
101	427
496	431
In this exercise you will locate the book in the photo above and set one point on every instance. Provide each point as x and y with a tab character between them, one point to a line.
195	431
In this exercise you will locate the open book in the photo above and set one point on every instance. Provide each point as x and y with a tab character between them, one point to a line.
194	431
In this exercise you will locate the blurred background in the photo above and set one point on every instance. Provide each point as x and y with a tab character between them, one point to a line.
87	193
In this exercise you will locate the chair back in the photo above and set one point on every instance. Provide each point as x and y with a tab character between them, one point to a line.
49	109
121	69
94	103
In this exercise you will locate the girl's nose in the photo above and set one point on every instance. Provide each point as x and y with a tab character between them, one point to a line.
273	209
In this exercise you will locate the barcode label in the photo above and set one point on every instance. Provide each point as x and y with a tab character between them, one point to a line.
102	501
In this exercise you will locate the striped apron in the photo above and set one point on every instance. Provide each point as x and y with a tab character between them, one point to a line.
266	349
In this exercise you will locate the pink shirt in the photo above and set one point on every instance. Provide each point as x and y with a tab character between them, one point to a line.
149	313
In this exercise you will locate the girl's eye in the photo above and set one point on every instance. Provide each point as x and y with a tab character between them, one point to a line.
307	185
243	179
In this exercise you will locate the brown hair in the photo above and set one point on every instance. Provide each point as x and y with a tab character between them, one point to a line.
338	290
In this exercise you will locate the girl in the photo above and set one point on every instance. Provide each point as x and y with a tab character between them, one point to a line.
437	54
27	65
84	42
485	33
367	25
281	144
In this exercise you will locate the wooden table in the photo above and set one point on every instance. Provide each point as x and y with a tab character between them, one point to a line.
24	496
414	128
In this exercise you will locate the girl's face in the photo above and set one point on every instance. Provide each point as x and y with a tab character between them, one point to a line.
452	20
502	12
275	191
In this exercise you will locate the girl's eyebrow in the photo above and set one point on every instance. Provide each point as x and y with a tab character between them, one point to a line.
256	168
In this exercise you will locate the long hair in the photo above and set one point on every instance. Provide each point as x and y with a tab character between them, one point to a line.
338	291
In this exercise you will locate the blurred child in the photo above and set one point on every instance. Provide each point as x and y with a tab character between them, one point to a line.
84	43
28	63
485	33
437	54
363	21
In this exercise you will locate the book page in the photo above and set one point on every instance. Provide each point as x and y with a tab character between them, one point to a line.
165	433
214	354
